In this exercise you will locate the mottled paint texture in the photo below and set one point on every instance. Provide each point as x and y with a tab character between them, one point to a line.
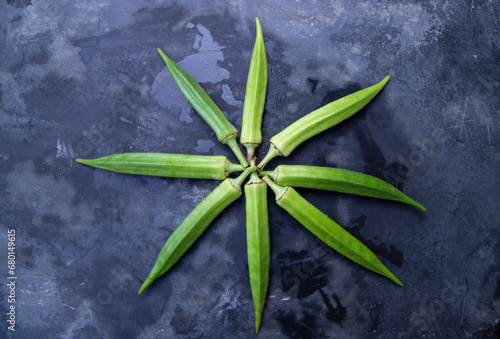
82	79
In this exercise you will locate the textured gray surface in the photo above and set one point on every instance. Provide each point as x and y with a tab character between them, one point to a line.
83	79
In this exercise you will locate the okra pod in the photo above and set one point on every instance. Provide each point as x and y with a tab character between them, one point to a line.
204	105
258	247
194	225
283	143
255	97
338	180
166	165
327	230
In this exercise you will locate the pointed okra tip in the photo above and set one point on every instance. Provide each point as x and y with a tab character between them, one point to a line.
161	53
257	23
383	82
407	200
417	205
258	317
96	163
385	272
84	161
396	280
237	182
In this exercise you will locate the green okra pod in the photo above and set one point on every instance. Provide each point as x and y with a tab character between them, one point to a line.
194	225
283	143
338	180
166	165
255	97
258	247
327	230
204	105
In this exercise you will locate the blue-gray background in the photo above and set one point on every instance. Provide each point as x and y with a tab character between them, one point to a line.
83	79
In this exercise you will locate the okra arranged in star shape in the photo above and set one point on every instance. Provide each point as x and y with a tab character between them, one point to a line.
281	180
